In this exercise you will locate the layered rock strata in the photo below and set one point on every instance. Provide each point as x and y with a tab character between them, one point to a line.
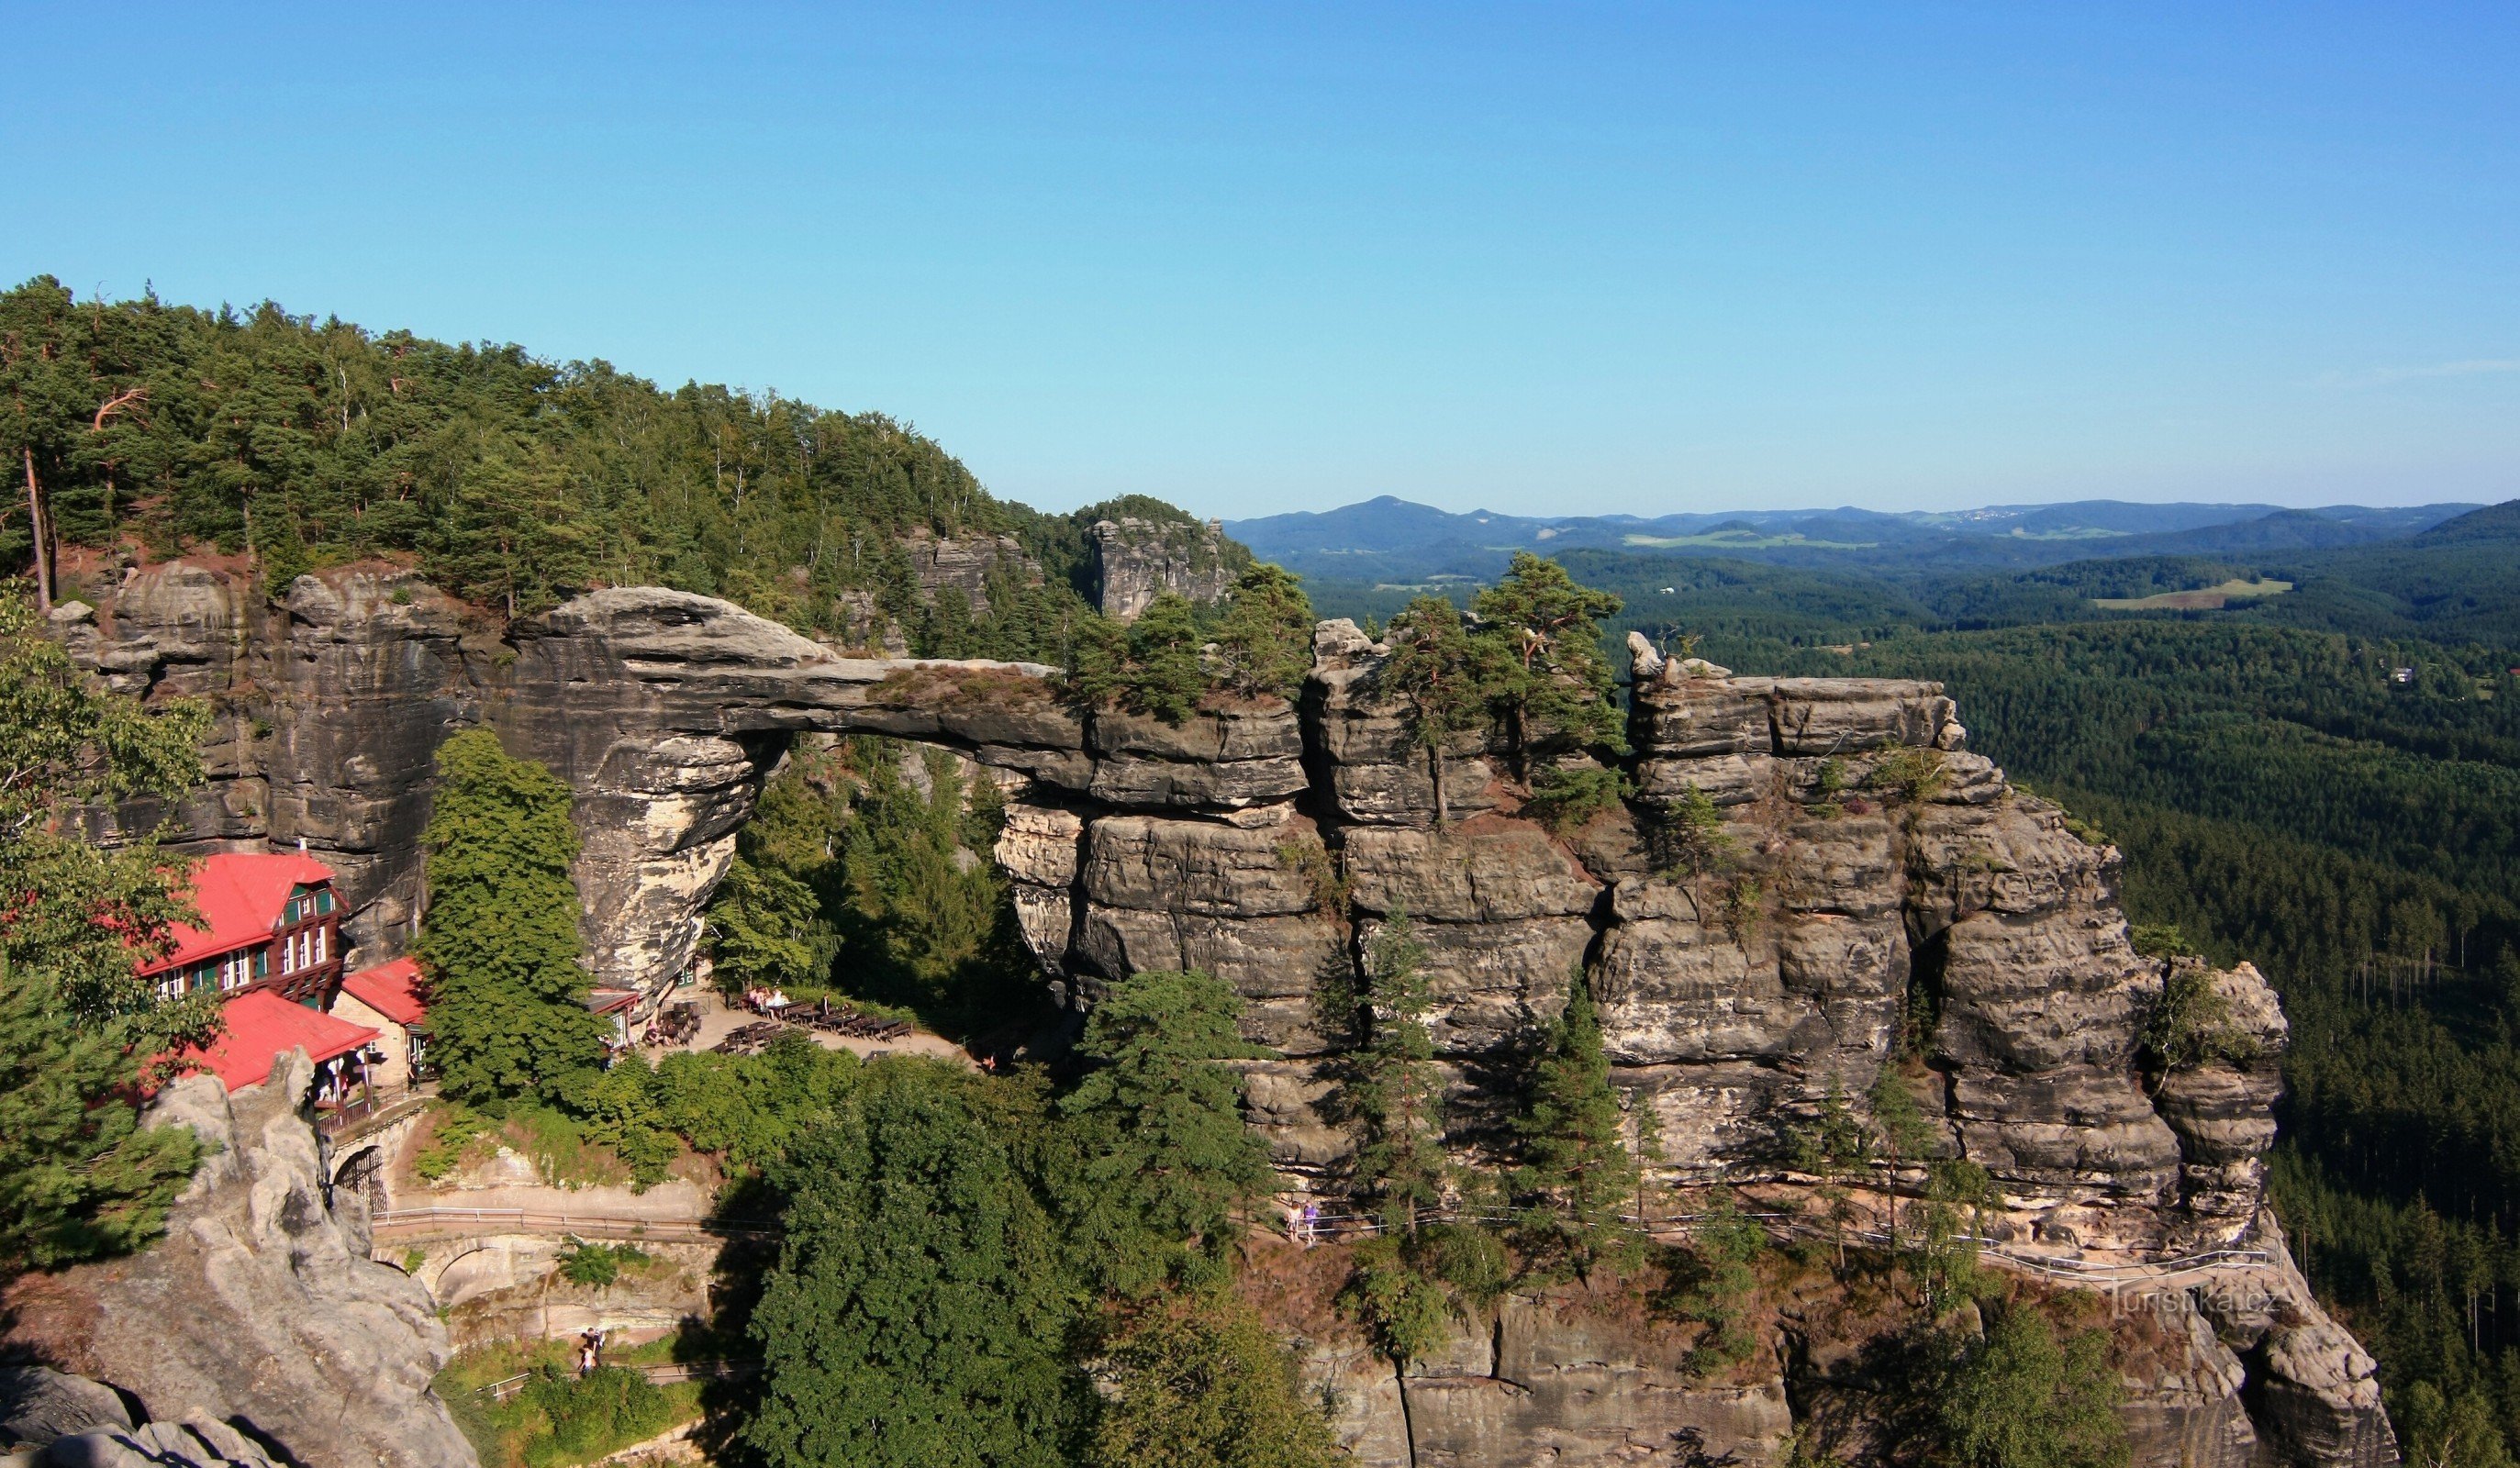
1137	560
1814	882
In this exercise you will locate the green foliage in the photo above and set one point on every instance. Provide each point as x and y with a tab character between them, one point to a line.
499	941
1836	1148
1265	641
79	1178
1726	1246
74	914
1690	837
1910	774
1540	656
1433	672
769	929
925	921
1152	666
744	1109
2021	1399
512	481
454	1127
2160	940
1574	1164
598	1265
1165	1162
1403	1308
1564	798
2436	1432
1938	1249
1393	1087
1197	1380
608	1407
917	1314
2191	1024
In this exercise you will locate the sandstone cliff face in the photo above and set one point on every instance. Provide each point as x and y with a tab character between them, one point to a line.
260	1310
1865	881
329	705
1137	560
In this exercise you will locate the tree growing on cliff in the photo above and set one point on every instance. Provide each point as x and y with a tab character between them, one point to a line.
1545	681
1152	666
1197	1380
1433	672
499	943
1265	644
1394	1088
2022	1398
1164	1159
1575	1167
917	1313
79	1176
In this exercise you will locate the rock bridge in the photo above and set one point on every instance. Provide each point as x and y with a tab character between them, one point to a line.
1885	897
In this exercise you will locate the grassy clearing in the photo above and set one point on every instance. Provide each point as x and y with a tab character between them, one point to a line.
559	1419
2203	598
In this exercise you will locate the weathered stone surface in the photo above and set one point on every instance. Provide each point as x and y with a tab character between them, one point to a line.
2317	1392
38	1404
1137	560
1270	845
1714	1115
1490	870
965	566
261	1304
157	1444
2071	1127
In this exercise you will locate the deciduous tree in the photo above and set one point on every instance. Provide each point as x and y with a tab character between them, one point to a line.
499	941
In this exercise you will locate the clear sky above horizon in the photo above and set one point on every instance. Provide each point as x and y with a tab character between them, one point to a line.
1562	259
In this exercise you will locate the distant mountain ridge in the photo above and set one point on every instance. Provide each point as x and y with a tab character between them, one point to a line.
1391	539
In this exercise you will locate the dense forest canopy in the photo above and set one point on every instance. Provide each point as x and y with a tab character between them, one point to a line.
508	479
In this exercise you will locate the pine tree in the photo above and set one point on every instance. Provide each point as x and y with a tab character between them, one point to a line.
1395	1089
1575	1165
79	1176
1540	646
1266	639
917	1314
1166	1159
1433	672
499	943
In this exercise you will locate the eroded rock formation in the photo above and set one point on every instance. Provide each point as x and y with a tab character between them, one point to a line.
1136	561
261	1310
1814	881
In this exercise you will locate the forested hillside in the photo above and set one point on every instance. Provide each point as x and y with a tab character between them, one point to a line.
508	479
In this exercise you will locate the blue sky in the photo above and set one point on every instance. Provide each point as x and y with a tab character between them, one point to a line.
1571	258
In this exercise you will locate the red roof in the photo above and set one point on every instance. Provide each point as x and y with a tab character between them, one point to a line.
262	1027
392	990
612	1000
242	896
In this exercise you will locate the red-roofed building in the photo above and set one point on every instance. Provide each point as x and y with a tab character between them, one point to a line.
268	922
262	1027
387	997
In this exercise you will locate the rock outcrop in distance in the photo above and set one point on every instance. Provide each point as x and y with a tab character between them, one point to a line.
1872	895
1136	561
259	1322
